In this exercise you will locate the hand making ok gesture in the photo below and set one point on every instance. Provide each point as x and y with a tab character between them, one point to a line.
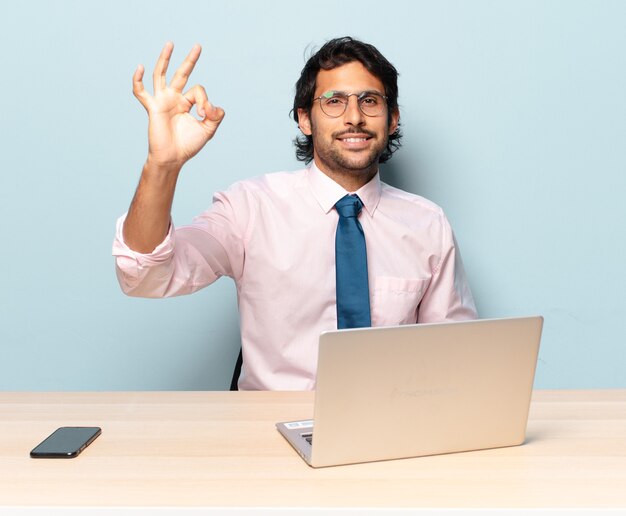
174	135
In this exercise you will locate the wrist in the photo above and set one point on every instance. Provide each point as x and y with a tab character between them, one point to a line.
163	171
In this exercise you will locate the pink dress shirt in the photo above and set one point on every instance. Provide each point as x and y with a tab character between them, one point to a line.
275	236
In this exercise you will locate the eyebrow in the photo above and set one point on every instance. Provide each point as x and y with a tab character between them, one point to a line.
330	93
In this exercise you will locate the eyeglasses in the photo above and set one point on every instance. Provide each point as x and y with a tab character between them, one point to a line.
335	103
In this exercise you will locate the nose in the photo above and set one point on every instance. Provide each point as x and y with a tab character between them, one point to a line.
353	114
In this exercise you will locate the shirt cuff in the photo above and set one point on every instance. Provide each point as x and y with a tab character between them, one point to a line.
126	256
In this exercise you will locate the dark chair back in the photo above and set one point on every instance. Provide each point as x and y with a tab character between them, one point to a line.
236	373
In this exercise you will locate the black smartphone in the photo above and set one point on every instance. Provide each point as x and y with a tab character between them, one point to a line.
66	442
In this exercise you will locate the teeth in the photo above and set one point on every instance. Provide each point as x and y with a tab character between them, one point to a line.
354	140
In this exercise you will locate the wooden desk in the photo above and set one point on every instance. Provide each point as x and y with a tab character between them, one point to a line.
220	449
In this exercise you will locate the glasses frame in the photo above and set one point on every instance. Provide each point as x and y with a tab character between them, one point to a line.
358	96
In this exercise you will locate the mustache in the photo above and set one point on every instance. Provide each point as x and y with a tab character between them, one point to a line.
354	131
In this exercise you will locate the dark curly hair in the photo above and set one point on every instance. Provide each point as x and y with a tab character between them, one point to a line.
334	53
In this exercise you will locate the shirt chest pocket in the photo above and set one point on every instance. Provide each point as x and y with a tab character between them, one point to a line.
395	300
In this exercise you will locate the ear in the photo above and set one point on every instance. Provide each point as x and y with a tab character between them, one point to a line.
304	122
395	119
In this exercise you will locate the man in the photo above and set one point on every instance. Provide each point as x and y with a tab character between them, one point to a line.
324	247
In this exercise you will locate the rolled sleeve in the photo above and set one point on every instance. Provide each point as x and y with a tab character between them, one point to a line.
190	257
132	267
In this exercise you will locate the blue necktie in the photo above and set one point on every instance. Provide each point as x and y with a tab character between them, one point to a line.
353	298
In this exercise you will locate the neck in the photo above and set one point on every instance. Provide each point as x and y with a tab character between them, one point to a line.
349	180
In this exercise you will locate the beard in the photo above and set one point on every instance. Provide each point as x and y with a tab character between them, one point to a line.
342	161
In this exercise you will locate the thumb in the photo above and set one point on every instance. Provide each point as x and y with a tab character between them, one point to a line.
213	113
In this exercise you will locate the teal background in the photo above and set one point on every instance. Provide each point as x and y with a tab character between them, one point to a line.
514	115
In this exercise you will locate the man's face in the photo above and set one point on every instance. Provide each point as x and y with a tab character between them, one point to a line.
351	144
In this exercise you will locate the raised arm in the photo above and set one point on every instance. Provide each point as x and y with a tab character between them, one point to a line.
174	136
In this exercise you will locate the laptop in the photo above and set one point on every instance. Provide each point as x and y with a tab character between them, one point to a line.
422	389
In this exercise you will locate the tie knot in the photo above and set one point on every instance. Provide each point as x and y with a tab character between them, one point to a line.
349	206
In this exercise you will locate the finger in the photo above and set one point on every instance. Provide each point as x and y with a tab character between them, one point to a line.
214	115
160	69
138	89
212	120
179	81
197	95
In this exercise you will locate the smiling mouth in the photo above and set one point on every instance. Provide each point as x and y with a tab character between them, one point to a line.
354	137
354	140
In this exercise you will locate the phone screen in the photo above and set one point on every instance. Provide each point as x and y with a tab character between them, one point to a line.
66	442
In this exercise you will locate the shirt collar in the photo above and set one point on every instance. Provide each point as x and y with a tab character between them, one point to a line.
327	192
